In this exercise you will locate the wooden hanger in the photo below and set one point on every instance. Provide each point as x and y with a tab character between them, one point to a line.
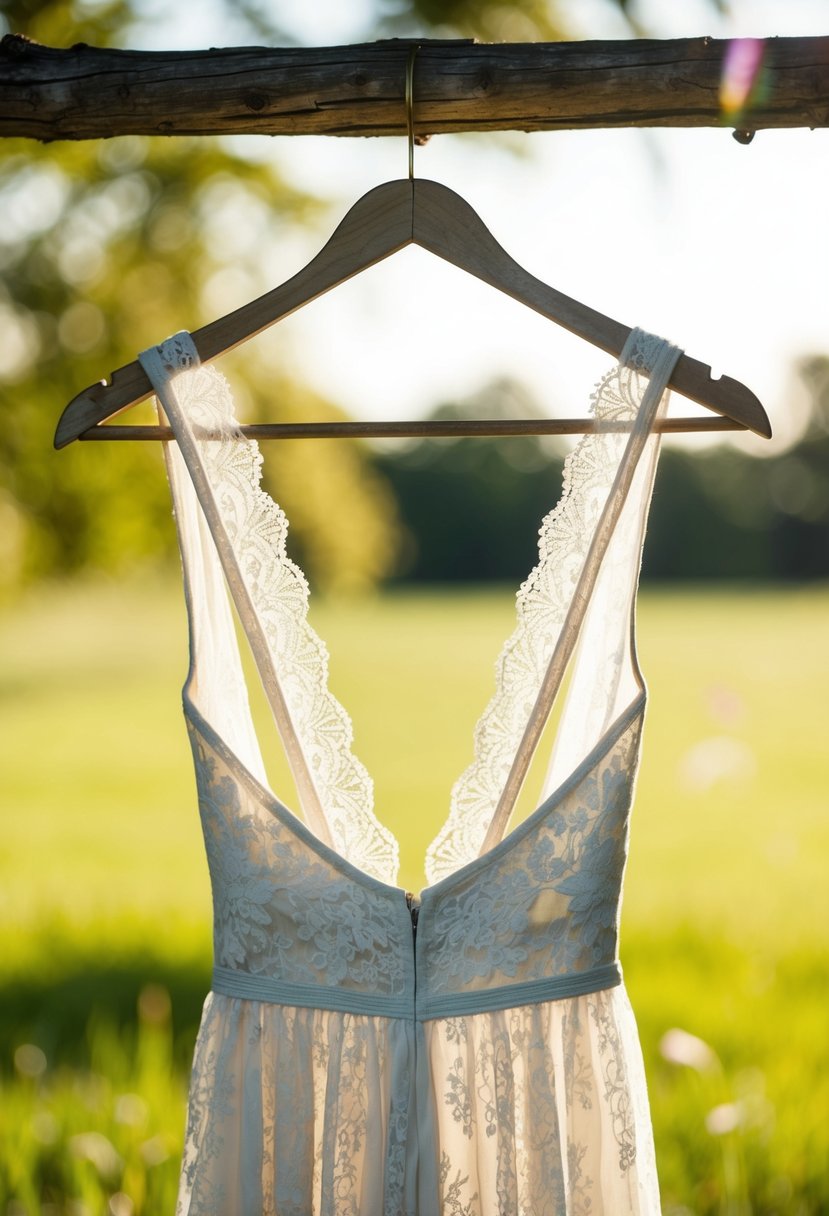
399	213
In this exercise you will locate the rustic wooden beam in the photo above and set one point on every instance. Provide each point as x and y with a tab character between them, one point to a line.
88	92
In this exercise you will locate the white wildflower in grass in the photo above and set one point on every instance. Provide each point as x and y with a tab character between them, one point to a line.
724	1118
679	1047
120	1204
30	1060
94	1147
131	1109
154	1151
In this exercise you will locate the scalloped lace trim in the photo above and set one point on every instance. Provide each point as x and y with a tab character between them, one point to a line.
257	528
542	604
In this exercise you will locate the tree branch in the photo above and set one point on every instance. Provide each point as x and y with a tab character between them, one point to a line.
92	93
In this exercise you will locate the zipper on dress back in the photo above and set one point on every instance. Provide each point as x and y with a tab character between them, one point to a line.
414	907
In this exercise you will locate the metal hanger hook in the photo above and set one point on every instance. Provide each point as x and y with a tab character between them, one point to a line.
410	106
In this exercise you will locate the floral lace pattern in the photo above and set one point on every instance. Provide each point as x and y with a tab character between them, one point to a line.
549	905
279	909
257	530
309	1140
545	1093
542	604
532	1109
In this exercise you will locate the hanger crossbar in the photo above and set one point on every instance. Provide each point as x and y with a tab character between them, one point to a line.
483	428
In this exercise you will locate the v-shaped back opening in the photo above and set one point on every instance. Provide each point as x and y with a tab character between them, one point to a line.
233	540
582	547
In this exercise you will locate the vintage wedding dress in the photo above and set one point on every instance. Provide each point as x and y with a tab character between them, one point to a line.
471	1052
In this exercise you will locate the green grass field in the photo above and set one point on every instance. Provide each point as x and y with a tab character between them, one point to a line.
105	899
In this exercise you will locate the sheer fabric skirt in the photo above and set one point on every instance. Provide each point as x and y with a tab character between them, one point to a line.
539	1110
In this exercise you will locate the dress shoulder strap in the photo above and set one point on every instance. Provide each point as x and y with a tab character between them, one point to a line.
215	683
580	544
248	532
605	673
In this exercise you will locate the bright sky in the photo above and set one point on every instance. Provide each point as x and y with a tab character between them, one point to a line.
723	248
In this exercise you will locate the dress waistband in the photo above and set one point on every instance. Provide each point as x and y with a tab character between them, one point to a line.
421	1007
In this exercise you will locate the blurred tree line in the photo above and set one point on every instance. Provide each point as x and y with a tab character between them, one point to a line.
107	246
471	509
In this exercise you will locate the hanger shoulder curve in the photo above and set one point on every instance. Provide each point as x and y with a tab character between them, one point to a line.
378	225
449	227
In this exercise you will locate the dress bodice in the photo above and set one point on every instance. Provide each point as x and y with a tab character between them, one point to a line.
535	918
365	1052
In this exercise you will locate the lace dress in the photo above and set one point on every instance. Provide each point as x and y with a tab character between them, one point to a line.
362	1052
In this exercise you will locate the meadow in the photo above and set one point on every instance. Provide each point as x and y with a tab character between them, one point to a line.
105	899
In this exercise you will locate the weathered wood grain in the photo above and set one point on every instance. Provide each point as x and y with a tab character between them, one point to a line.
86	92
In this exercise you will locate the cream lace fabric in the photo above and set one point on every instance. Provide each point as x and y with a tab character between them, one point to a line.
557	587
250	529
472	1052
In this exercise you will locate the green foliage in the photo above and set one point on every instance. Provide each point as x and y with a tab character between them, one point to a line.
106	247
102	1135
471	510
490	21
726	515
